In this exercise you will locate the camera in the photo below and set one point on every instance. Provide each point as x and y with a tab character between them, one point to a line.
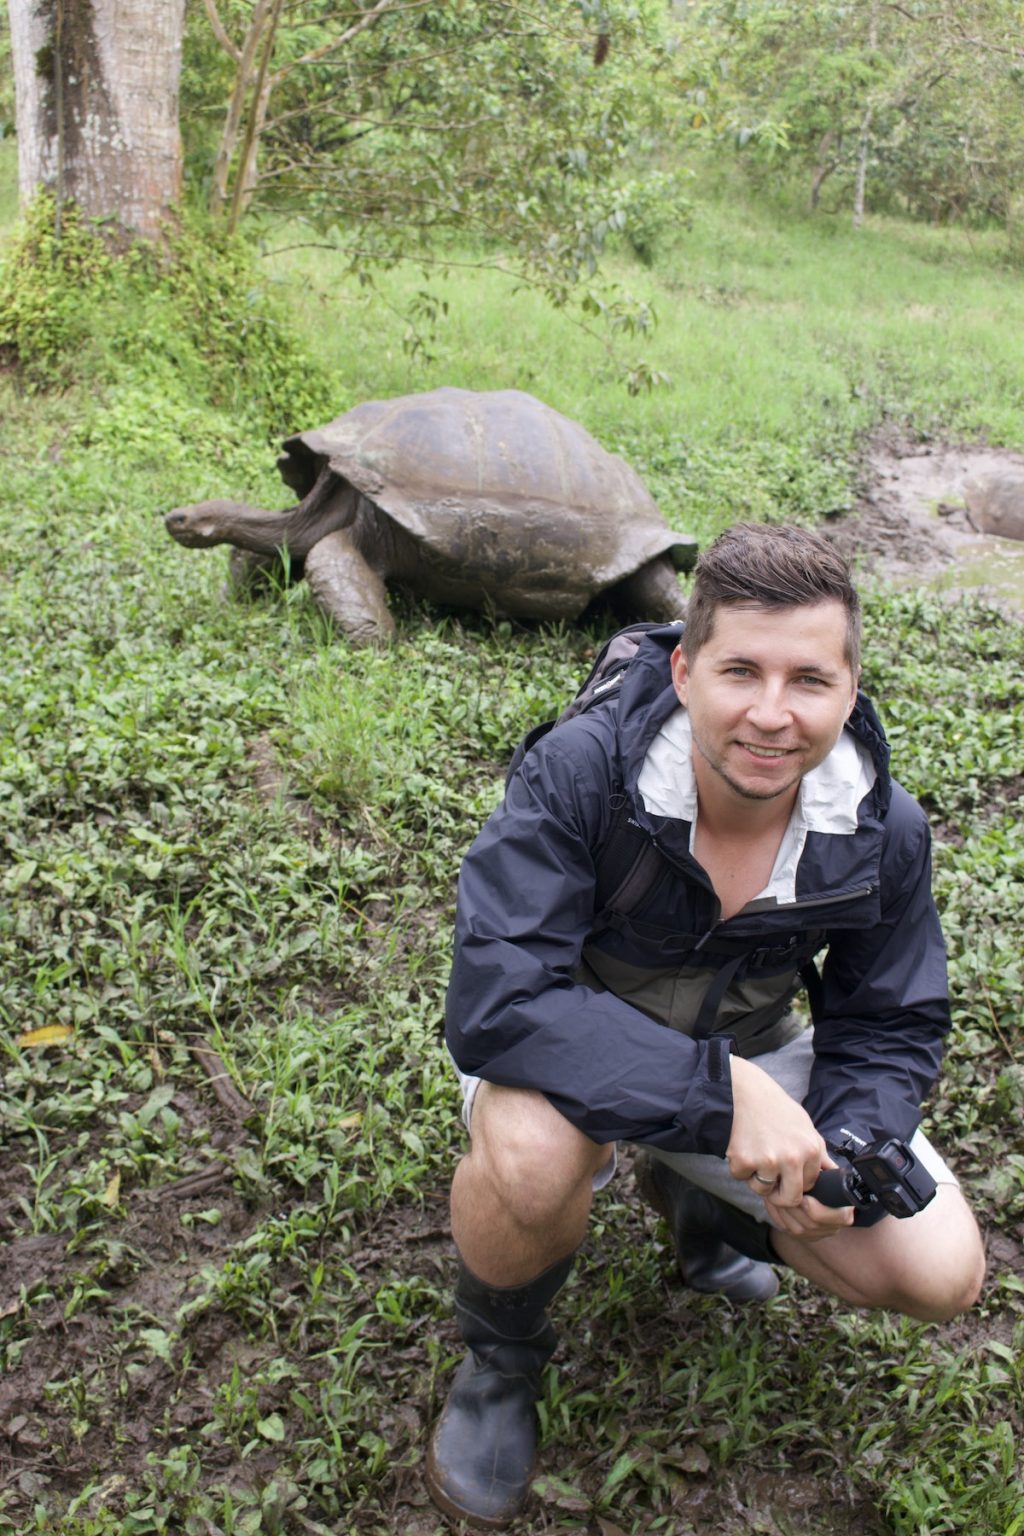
883	1173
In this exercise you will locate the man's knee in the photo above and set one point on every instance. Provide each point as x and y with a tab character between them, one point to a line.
938	1293
940	1275
533	1159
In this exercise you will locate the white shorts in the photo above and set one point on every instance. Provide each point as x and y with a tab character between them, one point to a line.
790	1066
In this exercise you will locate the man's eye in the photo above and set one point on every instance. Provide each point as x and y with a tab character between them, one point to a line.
816	682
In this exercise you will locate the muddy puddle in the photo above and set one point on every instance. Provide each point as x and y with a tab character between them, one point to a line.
912	524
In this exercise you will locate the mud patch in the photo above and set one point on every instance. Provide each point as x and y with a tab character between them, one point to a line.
910	524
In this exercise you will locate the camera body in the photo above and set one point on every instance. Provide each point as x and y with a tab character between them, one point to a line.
883	1173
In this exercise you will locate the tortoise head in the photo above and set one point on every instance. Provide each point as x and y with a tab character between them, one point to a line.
206	523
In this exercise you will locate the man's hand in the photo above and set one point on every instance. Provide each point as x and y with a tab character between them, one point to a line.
810	1219
774	1146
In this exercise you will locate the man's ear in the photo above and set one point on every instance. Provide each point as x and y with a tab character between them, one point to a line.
853	696
681	674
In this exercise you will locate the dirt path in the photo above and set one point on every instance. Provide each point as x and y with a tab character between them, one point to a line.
910	524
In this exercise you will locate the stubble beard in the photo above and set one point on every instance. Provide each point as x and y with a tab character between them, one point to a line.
744	790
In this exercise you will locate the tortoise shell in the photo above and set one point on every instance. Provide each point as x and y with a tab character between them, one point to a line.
498	488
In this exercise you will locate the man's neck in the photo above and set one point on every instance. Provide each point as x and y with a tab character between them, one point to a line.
724	813
737	839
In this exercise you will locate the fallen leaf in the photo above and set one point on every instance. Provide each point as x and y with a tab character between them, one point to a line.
694	1459
112	1193
156	1340
47	1034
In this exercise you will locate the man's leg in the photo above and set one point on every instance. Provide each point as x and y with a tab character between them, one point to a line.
706	1259
521	1195
930	1266
520	1202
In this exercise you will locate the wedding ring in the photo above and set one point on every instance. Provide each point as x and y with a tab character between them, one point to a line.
759	1178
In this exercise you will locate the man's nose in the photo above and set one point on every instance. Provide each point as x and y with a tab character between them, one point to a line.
769	711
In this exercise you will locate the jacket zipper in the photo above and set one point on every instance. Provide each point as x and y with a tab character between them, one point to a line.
792	906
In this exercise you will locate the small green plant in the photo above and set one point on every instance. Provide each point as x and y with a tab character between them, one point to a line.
49	287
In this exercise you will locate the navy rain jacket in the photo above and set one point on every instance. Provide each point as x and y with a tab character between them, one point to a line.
517	1015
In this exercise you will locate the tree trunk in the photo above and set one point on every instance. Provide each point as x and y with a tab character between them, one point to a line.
823	168
864	139
245	180
96	85
863	150
245	61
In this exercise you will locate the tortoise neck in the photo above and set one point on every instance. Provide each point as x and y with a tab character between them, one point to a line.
330	505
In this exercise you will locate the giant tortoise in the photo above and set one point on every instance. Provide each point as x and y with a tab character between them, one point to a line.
995	503
487	500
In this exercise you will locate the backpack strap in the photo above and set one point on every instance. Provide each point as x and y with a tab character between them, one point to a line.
602	681
712	1000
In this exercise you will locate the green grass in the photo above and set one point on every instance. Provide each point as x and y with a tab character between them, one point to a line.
219	823
782	345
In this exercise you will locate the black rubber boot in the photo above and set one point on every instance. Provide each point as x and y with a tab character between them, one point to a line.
483	1452
719	1248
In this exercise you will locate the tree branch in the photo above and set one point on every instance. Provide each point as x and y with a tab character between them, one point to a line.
959	29
367	20
220	31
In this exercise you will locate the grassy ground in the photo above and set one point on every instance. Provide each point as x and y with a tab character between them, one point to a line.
223	831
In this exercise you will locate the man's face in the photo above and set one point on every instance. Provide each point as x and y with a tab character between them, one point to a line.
767	695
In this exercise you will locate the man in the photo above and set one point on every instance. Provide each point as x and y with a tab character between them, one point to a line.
745	753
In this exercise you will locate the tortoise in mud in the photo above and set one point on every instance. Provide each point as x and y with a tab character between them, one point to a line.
489	500
995	503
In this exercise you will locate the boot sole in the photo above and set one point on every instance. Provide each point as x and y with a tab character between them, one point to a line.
454	1511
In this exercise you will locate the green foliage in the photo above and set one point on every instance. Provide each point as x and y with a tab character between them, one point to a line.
220	823
204	89
518	138
188	323
50	288
6	79
953	704
806	89
368	737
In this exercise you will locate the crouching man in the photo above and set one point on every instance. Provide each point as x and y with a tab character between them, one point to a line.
743	752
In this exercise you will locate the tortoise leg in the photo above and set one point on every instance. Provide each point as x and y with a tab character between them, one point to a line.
250	574
348	589
653	592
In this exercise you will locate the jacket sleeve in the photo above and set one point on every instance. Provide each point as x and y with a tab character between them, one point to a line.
884	1012
517	1016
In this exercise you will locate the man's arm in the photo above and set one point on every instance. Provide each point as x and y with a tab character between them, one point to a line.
515	1014
884	1016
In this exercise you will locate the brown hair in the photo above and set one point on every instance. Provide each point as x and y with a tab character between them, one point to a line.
761	565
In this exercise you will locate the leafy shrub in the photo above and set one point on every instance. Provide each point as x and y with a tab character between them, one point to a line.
50	285
192	318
